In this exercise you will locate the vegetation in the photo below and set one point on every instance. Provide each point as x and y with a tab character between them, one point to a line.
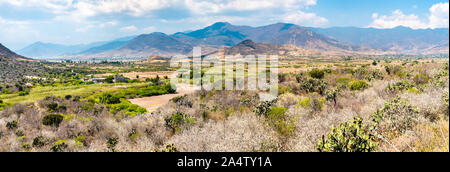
376	103
351	136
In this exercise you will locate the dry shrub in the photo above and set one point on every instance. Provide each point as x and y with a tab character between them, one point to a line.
287	100
244	133
429	102
424	137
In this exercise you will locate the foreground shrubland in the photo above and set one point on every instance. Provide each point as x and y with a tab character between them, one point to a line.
387	107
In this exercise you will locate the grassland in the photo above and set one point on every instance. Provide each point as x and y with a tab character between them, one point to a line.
39	93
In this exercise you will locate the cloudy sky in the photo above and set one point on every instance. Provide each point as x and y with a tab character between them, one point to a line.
23	22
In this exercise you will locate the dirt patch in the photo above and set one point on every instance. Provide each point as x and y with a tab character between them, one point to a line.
154	102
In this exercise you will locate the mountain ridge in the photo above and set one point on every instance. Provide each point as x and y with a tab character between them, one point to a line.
335	40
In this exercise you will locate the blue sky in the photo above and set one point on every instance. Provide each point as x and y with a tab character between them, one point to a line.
23	22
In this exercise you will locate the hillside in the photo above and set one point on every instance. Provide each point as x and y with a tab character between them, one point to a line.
158	44
248	47
14	67
399	39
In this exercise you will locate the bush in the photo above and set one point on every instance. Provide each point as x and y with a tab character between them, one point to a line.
177	120
368	74
183	101
11	125
39	141
108	98
278	119
169	148
318	74
343	81
358	85
52	120
129	108
68	97
263	107
421	79
112	142
52	107
332	95
395	117
59	146
351	136
23	93
399	86
313	85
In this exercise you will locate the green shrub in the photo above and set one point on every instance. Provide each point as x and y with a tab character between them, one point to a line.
129	108
395	117
68	97
177	120
11	125
263	107
358	85
23	93
304	103
39	141
421	79
399	86
367	74
332	95
343	81
79	141
393	69
169	148
112	142
318	74
313	85
278	119
52	120
276	112
351	136
52	107
59	146
108	98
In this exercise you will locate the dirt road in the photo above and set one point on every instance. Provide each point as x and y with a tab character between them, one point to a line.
153	103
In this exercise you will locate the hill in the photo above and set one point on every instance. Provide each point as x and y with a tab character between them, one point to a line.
399	39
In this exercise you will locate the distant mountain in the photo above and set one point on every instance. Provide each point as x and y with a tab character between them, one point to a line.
156	44
334	41
248	47
225	34
399	39
40	49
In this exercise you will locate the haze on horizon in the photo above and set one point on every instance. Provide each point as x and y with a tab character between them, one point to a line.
23	22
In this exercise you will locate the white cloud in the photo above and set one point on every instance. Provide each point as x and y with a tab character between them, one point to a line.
397	19
438	18
306	19
131	28
86	27
207	6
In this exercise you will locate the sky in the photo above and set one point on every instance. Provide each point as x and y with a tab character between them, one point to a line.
69	22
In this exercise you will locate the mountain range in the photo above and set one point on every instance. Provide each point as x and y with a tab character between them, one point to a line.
336	40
